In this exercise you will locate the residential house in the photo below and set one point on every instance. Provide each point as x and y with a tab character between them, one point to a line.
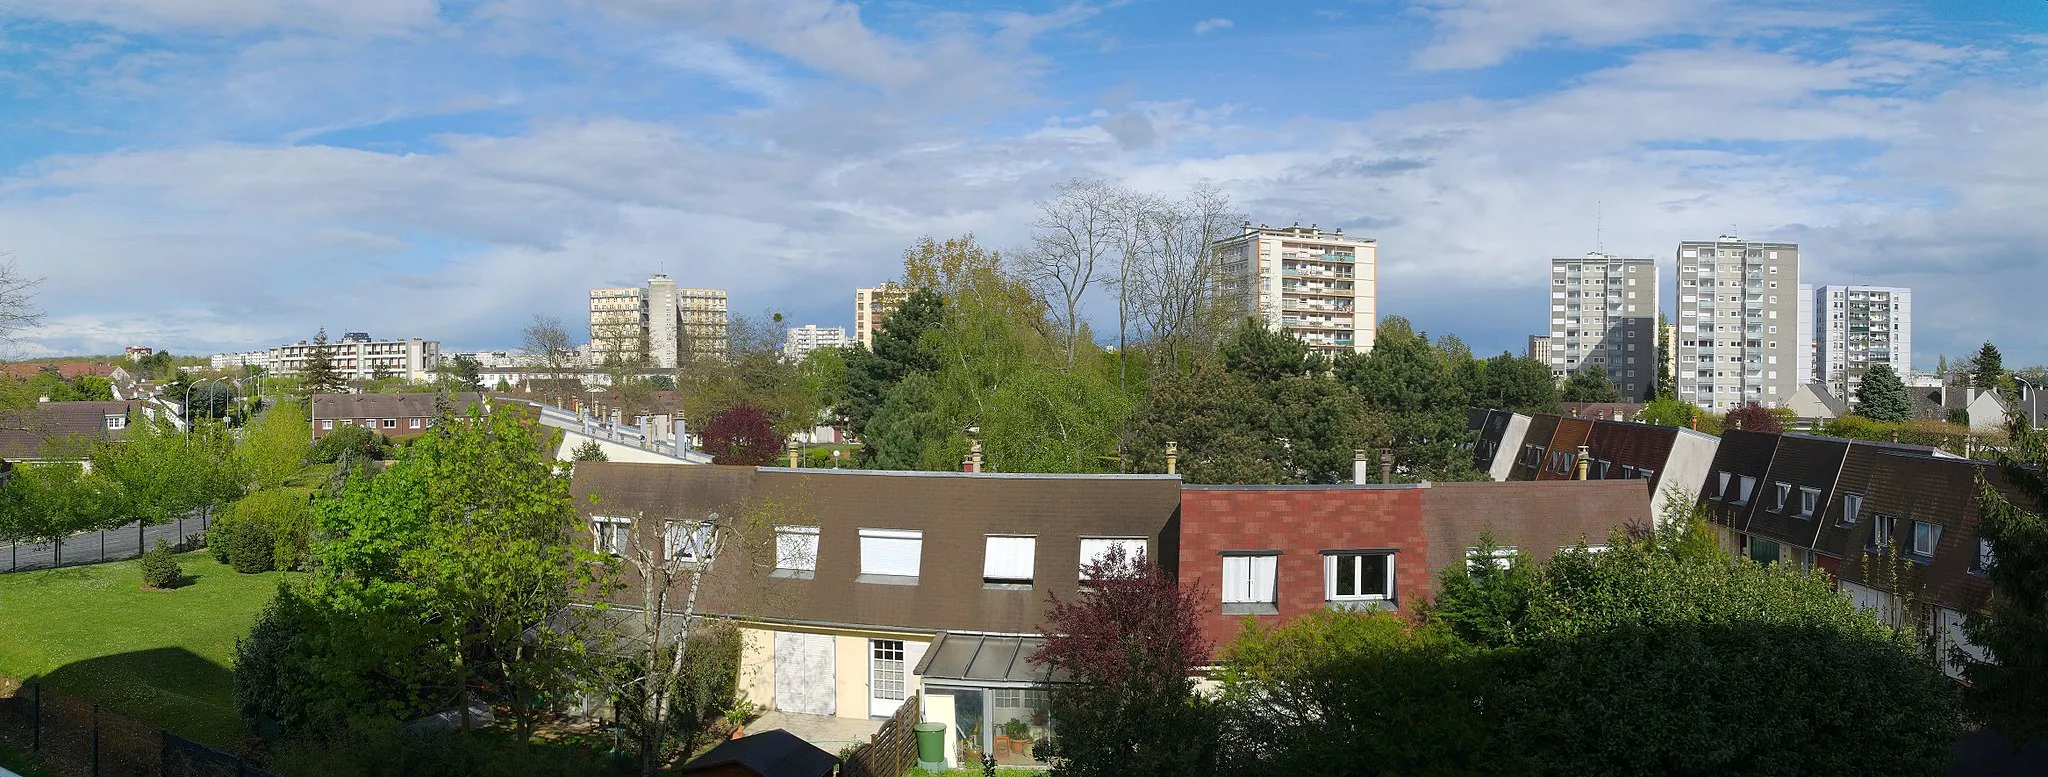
397	416
1813	403
1547	447
1268	553
63	431
854	589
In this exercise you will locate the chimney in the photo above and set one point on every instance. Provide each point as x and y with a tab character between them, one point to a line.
974	449
793	452
1386	466
1172	458
1361	467
1584	454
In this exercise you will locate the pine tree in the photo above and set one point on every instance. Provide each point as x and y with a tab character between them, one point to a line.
1987	368
1882	396
319	375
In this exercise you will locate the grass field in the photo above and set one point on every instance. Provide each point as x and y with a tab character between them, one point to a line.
93	632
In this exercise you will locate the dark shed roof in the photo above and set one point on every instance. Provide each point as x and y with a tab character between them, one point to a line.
772	753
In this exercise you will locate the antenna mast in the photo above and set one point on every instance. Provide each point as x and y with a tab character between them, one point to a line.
1599	226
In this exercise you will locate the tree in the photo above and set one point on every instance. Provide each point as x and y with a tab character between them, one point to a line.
590	451
465	373
1882	396
276	446
160	569
1182	305
1667	411
1130	644
1075	231
1413	387
1589	385
1509	382
550	351
2008	692
48	502
899	352
161	475
1666	385
1987	368
741	435
319	375
1753	418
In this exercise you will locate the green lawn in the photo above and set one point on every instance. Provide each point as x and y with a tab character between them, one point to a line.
93	632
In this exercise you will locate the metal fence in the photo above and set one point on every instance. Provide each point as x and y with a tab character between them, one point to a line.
892	750
126	542
75	737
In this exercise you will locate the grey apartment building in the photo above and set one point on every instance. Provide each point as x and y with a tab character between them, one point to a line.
1603	319
1738	323
1859	326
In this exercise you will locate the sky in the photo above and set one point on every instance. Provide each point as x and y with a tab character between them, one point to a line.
208	175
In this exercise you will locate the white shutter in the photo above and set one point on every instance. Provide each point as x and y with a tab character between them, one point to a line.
796	548
1009	558
1237	575
1263	569
890	552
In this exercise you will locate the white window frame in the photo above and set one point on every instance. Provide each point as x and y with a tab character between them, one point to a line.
1809	501
412	423
115	422
1748	486
1782	497
796	549
1503	557
1881	531
1926	538
873	542
1726	476
326	424
1093	547
1009	559
690	542
611	534
1356	558
389	423
1985	558
1251	578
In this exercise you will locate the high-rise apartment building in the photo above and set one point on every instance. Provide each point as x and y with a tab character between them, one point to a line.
1539	348
1738	323
800	341
357	356
871	307
1315	285
661	323
1603	320
1856	327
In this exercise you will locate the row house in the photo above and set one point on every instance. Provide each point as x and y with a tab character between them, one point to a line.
1543	447
1895	525
397	416
855	590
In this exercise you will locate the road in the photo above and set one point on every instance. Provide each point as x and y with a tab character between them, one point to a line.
94	547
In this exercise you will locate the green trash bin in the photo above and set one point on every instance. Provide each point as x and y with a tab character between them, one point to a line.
931	746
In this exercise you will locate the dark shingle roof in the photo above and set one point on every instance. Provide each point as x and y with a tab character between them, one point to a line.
772	753
30	433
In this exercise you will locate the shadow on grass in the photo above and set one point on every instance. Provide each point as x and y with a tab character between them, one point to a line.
170	688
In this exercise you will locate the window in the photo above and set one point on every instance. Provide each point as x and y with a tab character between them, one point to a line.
1985	558
117	422
686	541
1008	560
390	423
412	423
890	553
1502	557
1248	584
1095	548
1881	531
1358	575
1784	496
1725	476
1809	500
1925	537
611	533
1748	487
887	676
1852	504
796	550
326	424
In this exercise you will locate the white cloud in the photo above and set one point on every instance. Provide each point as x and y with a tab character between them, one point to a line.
235	16
1207	26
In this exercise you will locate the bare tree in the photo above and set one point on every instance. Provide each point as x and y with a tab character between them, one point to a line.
1183	296
1074	232
18	309
550	351
1135	240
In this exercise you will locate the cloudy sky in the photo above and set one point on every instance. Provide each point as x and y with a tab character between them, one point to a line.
223	174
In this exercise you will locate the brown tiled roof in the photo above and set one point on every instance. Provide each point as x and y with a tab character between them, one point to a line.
33	433
419	405
67	369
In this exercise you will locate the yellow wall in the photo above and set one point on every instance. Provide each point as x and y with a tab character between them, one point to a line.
852	656
757	666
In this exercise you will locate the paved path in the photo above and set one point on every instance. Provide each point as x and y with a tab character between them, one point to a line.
94	547
828	732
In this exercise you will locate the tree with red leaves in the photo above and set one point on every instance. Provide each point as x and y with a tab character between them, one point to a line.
1125	654
741	435
1752	418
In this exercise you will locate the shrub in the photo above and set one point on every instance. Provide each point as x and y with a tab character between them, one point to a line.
265	530
220	537
252	550
160	569
357	441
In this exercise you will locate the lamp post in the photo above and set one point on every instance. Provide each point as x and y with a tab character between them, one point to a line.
835	458
191	419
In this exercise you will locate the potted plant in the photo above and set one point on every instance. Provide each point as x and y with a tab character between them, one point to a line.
1019	734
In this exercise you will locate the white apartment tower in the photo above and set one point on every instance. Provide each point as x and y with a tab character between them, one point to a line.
1603	320
1738	323
660	323
1858	326
871	307
1313	284
800	341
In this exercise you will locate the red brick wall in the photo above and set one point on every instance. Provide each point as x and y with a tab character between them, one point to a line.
1300	523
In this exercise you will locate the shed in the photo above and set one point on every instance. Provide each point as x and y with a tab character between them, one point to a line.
773	753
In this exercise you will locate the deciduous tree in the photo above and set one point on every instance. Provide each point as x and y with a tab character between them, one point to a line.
741	435
1589	385
1752	418
1410	384
2008	692
276	446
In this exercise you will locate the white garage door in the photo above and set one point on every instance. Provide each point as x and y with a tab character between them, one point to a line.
805	674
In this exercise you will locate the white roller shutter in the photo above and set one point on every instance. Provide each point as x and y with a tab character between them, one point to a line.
1009	559
890	552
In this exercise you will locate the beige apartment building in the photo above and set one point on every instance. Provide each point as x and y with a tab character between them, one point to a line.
871	307
1313	284
1603	320
662	323
1740	337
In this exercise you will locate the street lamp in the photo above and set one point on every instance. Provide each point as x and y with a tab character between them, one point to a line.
835	458
192	420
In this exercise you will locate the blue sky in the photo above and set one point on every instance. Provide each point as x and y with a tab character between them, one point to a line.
222	174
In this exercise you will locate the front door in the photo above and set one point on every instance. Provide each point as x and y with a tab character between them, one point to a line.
886	677
805	674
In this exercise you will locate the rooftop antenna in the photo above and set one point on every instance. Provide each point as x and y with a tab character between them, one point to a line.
1599	226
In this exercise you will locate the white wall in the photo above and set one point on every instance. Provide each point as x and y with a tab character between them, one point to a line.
1510	446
